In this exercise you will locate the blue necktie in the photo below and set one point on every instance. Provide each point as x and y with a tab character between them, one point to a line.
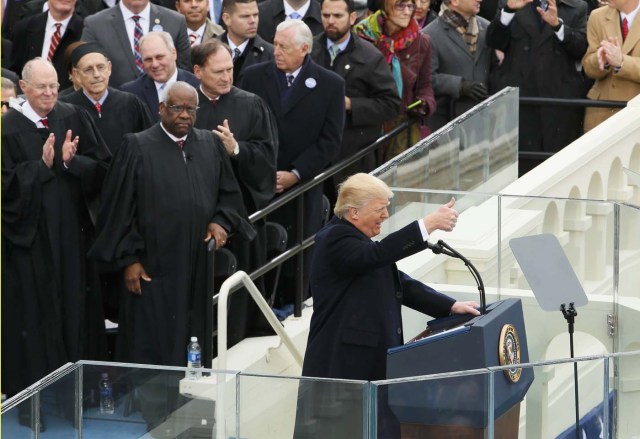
295	16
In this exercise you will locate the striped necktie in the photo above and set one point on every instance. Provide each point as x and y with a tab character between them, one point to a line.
137	36
236	54
290	79
333	52
193	37
55	41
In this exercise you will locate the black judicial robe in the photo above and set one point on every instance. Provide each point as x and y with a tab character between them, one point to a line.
254	128
121	113
156	205
51	303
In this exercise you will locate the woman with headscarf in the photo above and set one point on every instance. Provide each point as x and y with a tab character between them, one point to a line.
395	32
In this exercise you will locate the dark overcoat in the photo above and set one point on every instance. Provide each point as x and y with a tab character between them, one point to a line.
357	294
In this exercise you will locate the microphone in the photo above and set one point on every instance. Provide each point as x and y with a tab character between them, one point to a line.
442	247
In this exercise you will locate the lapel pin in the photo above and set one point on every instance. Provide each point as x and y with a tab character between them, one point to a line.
310	83
347	67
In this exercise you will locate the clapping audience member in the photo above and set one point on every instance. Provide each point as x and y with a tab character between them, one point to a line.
543	44
613	57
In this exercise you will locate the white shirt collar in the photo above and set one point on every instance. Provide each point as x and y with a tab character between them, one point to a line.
51	22
342	45
30	113
171	136
288	10
145	15
240	47
171	80
630	16
102	99
199	32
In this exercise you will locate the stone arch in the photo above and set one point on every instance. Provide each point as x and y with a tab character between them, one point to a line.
576	223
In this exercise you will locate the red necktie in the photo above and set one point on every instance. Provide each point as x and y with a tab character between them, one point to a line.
193	37
99	108
55	40
625	29
137	36
45	122
180	143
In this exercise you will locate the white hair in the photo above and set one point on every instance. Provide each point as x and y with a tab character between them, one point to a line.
302	34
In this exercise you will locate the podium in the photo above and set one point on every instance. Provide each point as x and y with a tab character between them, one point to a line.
458	407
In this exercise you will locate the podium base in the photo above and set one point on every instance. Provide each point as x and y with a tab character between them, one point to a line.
505	427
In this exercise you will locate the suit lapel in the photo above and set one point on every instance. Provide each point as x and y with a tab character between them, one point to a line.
456	38
270	84
36	33
151	95
306	81
117	22
632	38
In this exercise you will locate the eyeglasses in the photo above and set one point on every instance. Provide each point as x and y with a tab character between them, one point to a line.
402	6
5	103
178	109
101	68
44	87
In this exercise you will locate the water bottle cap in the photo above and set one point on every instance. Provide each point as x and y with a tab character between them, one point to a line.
105	375
194	338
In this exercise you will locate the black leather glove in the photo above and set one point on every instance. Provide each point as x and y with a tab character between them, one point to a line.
474	90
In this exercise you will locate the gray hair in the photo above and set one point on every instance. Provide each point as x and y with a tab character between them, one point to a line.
8	84
302	34
178	85
358	190
164	36
27	70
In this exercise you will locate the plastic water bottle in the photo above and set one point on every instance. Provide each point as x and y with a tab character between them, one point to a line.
193	359
107	405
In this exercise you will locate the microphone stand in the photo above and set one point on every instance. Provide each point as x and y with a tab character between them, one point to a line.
570	314
446	249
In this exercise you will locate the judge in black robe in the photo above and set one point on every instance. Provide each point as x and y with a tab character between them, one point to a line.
51	303
121	113
254	129
158	201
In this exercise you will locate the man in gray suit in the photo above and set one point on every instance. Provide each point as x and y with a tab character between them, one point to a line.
460	60
119	29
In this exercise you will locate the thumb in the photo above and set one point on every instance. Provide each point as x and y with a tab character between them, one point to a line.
144	276
451	202
68	138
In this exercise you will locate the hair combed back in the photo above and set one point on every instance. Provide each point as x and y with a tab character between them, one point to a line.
302	34
358	190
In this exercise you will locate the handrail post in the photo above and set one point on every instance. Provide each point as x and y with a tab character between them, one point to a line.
299	293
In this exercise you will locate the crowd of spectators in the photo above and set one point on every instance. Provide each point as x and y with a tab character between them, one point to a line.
97	93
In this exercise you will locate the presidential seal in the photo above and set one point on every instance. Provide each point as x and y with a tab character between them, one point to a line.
509	352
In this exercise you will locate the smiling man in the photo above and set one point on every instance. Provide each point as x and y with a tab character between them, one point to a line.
114	112
160	70
53	165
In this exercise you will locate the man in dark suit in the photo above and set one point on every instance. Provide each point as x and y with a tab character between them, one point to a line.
274	12
308	104
117	29
241	19
460	60
47	34
358	290
159	60
371	94
542	52
200	28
